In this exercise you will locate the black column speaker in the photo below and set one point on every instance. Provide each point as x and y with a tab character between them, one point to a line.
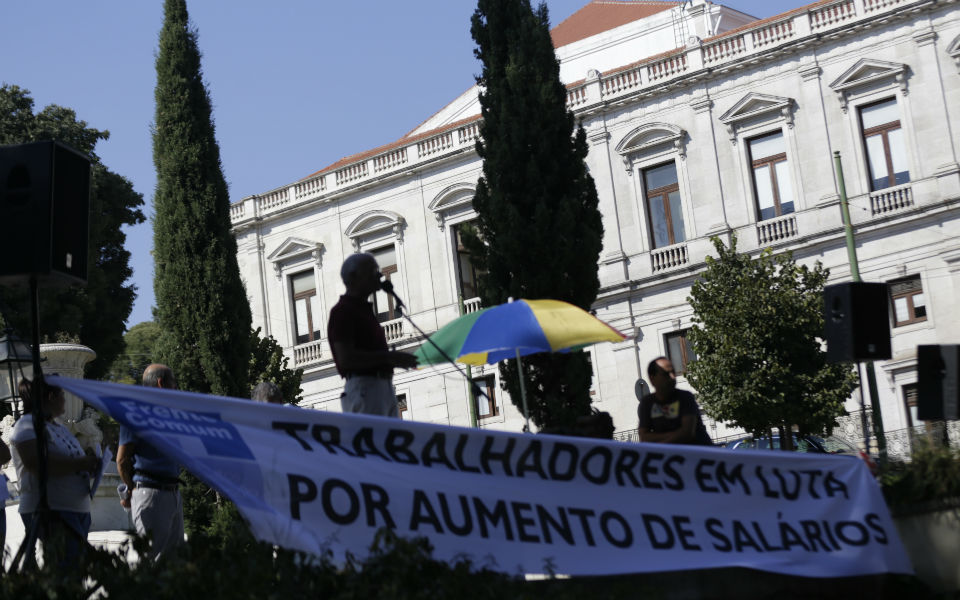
938	382
44	213
856	325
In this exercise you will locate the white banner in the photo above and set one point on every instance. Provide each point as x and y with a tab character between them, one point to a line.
519	503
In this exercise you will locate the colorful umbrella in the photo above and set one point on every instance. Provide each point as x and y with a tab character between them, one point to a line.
516	329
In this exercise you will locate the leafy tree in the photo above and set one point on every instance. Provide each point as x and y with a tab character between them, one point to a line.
536	203
268	363
138	352
760	363
202	308
93	314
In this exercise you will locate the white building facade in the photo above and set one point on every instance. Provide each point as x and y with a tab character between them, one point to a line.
732	134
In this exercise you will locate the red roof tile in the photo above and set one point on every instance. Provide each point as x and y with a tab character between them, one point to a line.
601	15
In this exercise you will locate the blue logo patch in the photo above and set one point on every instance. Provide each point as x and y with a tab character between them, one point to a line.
218	437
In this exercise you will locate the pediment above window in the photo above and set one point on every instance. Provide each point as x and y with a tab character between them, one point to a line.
374	224
452	200
292	250
650	138
953	50
867	72
755	107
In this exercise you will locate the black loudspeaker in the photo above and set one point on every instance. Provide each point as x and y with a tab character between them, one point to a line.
856	325
938	389
44	213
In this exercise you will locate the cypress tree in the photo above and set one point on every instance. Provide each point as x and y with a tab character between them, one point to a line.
202	307
539	230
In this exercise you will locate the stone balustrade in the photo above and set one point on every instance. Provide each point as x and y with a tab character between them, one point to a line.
471	305
308	353
891	199
393	330
776	230
721	51
669	257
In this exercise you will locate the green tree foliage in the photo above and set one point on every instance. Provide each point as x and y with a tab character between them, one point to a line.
268	363
760	363
138	352
202	308
536	203
94	314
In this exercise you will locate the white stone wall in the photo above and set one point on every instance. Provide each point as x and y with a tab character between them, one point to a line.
806	85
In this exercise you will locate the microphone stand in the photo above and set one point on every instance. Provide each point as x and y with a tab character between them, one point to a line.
387	287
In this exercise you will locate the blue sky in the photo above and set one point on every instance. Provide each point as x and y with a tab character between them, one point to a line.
296	84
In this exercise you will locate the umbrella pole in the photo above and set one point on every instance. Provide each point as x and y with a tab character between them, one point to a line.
523	393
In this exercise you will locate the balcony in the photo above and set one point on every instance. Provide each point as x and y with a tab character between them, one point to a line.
393	330
776	230
669	257
890	200
308	353
471	305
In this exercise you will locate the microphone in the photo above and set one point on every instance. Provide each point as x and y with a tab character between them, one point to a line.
387	287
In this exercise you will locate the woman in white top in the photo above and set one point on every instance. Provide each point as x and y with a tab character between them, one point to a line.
69	469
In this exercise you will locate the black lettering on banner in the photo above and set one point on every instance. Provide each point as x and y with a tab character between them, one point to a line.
497	515
625	540
863	536
561	526
788	493
742	537
328	436
763	539
353	501
703	477
435	451
397	446
584	515
812	482
462	440
727	479
364	446
833	540
530	460
715	529
811	529
302	489
291	429
834	485
523	521
684	533
606	460
423	513
873	521
466	526
767	490
489	455
669	469
626	461
648	470
789	536
375	499
658	532
572	453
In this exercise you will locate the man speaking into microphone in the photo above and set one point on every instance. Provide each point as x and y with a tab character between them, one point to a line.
359	346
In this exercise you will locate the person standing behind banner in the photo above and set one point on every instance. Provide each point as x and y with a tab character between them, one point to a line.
669	415
69	469
151	480
359	345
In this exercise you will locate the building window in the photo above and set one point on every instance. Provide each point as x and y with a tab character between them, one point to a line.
885	146
466	272
486	406
771	176
910	393
383	303
909	304
663	204
402	406
306	307
679	350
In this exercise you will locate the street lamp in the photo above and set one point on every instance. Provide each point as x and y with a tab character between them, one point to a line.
16	363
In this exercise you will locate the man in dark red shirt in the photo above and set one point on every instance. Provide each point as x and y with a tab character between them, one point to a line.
359	346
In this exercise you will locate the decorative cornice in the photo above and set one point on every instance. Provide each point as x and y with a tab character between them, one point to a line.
649	136
753	105
924	37
454	197
867	71
294	248
374	221
810	72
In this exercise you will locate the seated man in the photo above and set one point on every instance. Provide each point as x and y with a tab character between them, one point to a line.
669	415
